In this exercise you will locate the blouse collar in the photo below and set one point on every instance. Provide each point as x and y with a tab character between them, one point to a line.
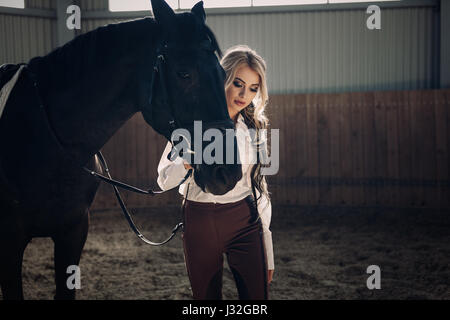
240	119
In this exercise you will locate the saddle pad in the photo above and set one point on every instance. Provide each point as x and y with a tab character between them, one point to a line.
7	88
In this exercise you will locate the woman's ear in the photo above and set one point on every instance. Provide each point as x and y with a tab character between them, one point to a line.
199	11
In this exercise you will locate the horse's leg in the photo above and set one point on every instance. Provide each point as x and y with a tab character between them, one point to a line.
12	246
68	248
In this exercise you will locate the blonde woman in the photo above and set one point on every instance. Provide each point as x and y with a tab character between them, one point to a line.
218	224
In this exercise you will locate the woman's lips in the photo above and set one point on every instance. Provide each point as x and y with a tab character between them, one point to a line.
239	103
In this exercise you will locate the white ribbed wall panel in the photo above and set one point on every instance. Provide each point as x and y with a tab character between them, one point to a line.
23	37
306	51
90	5
40	4
333	51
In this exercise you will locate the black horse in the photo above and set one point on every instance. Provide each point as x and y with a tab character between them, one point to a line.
69	103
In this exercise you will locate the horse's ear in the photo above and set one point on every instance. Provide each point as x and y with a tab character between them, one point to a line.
162	12
199	11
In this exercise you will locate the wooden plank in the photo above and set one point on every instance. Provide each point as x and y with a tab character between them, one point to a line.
147	180
301	145
404	145
446	190
428	156
392	149
285	136
124	160
447	107
357	153
380	143
415	103
280	121
140	158
368	129
334	136
312	147
397	135
345	147
131	142
323	129
442	156
291	136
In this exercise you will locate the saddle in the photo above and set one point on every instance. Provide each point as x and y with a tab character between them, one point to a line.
7	73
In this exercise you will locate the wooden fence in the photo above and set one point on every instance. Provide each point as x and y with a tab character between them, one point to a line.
387	149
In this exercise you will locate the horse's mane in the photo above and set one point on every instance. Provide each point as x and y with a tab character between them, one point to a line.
89	50
214	42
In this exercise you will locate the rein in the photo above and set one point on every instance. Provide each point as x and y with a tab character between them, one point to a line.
127	215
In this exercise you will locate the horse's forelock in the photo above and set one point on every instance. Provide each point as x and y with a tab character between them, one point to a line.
213	40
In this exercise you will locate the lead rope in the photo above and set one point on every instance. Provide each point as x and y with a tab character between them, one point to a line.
127	214
183	208
253	185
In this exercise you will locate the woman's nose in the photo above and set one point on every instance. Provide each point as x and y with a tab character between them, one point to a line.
242	93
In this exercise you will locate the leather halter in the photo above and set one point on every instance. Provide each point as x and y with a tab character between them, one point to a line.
173	124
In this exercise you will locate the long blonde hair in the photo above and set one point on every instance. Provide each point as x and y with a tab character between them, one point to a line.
254	114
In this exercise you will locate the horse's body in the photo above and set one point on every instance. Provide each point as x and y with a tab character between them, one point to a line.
85	92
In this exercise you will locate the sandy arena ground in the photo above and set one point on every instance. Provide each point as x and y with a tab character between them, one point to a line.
319	254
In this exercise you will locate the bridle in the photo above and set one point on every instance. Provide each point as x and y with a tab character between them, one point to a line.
158	69
172	125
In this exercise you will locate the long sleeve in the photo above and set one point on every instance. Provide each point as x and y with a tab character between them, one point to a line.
265	213
170	173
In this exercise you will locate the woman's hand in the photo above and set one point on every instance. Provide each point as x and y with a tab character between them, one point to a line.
187	166
269	276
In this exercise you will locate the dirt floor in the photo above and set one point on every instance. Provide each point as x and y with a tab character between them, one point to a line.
320	253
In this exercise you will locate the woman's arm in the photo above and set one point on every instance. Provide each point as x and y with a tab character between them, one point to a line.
170	173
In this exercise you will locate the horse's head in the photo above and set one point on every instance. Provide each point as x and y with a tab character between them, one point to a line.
188	86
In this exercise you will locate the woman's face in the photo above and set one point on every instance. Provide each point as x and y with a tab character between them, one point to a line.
242	90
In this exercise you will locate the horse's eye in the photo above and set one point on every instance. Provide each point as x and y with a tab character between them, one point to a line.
183	74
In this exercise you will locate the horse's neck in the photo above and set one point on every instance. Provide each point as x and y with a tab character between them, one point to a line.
91	96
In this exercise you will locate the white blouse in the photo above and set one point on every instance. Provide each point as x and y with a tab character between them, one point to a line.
170	174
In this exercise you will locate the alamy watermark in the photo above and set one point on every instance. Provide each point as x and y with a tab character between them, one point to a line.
74	20
374	281
374	21
74	280
192	151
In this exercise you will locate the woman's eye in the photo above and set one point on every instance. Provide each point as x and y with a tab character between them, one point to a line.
254	89
183	74
237	84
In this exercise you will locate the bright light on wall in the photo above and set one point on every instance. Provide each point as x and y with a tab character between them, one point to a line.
138	5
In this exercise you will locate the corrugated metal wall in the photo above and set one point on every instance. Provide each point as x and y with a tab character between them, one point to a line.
25	37
89	5
333	51
41	4
306	51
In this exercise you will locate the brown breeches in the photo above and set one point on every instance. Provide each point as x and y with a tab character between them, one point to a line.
210	230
